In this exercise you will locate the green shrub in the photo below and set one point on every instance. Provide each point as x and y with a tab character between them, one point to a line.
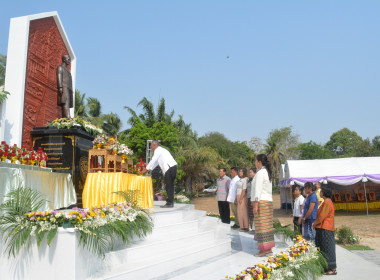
345	235
278	228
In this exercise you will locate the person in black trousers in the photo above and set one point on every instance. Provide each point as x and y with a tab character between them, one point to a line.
168	165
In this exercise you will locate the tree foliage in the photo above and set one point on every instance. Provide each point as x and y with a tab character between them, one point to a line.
140	133
111	124
312	150
80	109
199	165
3	65
231	153
281	144
150	116
91	111
343	143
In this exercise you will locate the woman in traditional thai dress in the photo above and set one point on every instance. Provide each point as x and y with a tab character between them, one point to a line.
262	203
241	198
251	175
325	230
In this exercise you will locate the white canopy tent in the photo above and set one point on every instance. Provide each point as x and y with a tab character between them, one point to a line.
340	171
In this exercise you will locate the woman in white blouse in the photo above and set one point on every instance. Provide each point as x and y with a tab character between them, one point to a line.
262	204
241	198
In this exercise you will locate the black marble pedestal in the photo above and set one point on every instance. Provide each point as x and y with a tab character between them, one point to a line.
67	151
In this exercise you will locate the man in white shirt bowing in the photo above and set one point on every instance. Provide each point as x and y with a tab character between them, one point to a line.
168	165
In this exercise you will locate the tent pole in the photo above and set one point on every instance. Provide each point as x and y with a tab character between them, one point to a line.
365	195
286	202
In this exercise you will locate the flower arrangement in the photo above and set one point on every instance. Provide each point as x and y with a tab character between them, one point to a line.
124	150
5	150
114	148
23	154
120	149
140	166
67	123
95	225
100	140
299	261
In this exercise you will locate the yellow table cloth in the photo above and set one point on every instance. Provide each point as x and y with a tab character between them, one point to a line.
357	205
100	187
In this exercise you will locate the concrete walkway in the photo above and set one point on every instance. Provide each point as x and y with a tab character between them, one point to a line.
358	265
371	256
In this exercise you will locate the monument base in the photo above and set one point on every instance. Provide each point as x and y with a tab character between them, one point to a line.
67	151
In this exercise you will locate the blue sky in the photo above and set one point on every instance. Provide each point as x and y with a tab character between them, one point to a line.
241	68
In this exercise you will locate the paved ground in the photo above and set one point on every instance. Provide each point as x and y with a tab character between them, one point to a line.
352	266
371	256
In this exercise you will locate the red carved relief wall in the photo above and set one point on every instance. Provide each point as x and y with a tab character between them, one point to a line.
45	51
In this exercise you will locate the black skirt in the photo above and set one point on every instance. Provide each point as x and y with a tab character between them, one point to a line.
325	240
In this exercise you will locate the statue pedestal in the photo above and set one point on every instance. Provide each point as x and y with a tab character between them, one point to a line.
67	151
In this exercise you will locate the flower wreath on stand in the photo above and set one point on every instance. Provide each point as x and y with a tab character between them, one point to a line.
140	166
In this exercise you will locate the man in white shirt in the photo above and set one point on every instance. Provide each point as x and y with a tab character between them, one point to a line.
168	165
232	195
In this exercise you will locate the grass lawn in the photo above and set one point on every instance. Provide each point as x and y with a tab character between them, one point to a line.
357	247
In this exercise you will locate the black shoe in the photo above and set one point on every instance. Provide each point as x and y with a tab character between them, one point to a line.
235	226
167	206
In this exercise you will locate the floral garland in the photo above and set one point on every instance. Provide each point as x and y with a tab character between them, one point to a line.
80	219
97	226
295	262
67	123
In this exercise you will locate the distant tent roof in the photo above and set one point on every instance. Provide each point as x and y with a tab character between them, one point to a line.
341	171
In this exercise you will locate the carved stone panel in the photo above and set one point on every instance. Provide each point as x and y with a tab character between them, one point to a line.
45	51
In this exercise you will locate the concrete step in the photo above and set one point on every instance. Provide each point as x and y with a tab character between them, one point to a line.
156	265
173	230
181	237
161	247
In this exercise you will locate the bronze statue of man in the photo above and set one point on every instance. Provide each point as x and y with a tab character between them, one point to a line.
65	87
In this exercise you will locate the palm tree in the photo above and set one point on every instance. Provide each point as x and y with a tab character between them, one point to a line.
112	124
150	116
199	165
80	106
186	136
94	109
3	64
275	154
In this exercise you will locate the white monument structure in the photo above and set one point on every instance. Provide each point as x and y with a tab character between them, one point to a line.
35	48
